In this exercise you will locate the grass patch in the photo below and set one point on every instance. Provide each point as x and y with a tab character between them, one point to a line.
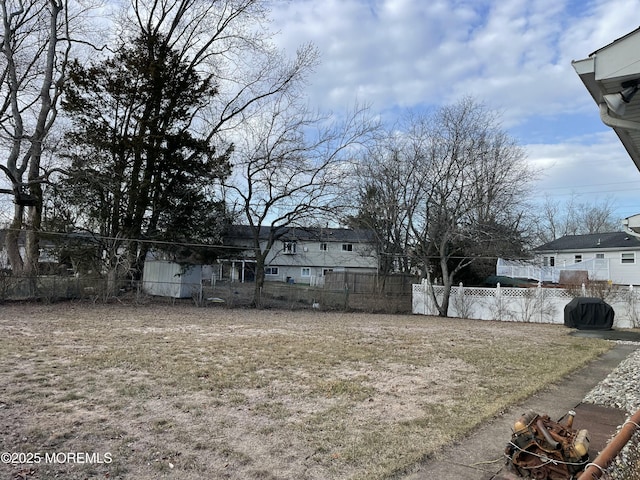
196	393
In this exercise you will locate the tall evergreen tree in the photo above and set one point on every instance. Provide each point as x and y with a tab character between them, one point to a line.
138	169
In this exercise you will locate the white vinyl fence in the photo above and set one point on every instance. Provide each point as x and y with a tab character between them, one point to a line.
596	268
536	305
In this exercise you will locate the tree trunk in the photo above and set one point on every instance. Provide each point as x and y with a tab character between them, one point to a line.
447	282
12	244
32	245
443	308
257	293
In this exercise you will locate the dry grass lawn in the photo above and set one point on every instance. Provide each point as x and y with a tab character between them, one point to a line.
190	393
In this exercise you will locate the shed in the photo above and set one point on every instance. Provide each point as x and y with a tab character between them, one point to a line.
170	279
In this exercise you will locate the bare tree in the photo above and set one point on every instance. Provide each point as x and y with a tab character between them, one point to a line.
476	184
387	184
446	190
290	169
34	54
235	73
557	219
227	42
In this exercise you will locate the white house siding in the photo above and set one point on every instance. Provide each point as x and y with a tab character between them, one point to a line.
615	271
601	254
310	258
310	261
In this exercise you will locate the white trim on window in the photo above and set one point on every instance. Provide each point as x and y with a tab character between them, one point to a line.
628	258
305	272
271	271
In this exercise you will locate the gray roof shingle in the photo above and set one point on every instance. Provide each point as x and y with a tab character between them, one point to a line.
613	240
306	234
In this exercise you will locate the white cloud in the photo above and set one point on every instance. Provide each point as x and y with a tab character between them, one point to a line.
515	55
592	169
406	53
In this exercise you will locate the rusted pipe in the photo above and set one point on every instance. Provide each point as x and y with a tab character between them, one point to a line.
596	468
547	435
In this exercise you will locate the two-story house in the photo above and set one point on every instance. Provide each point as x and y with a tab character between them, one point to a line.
301	255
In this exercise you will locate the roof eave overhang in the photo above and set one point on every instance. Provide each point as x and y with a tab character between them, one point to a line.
604	72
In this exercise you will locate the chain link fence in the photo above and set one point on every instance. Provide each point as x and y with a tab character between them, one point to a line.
223	294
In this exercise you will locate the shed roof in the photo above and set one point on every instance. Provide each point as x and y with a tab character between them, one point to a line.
594	241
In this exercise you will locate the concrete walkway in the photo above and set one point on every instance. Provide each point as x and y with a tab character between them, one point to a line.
480	455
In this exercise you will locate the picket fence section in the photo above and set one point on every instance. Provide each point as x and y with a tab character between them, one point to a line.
535	305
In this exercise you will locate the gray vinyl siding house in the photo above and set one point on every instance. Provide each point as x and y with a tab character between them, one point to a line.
613	256
303	255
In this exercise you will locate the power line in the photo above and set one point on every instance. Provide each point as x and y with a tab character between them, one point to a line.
91	236
597	185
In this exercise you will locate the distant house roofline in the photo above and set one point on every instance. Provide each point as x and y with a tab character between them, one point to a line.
317	234
593	241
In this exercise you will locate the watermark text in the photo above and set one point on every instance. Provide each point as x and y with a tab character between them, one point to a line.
27	458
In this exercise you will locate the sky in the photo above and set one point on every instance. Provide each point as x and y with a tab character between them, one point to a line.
513	55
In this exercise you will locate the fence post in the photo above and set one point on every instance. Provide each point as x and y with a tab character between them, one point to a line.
584	290
424	295
499	313
539	299
346	296
633	314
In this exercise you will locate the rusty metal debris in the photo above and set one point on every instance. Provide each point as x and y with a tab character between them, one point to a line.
546	450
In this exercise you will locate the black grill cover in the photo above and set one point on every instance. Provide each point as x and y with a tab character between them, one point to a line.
586	313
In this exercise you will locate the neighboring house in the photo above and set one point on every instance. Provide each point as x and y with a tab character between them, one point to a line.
613	256
47	255
301	255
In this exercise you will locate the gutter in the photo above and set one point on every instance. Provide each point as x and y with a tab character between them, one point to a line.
615	122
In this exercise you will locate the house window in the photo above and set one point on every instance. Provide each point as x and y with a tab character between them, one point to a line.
549	261
271	270
289	248
628	257
305	272
323	247
600	256
326	270
577	258
347	247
